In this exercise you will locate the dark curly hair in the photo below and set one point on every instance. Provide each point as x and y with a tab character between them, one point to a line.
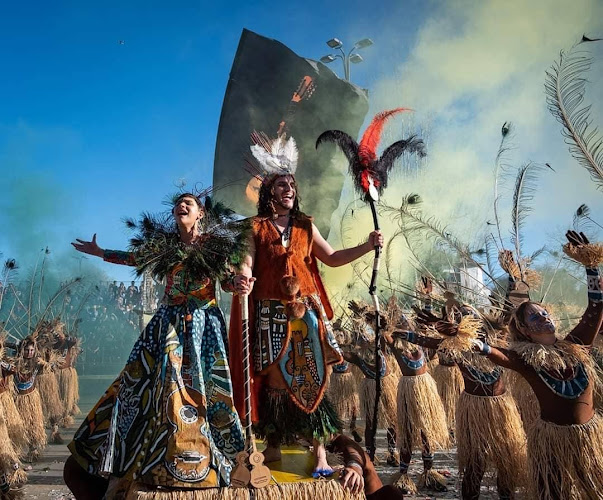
179	197
266	206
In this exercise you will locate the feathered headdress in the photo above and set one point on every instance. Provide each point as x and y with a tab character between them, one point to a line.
272	156
368	169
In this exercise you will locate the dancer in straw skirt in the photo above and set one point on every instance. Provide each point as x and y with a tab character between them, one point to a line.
565	445
489	431
343	389
27	398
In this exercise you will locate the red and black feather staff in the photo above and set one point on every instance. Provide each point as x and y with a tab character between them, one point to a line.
370	174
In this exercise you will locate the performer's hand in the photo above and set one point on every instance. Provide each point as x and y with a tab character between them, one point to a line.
426	285
89	247
425	317
376	239
576	239
446	328
351	478
507	262
402	334
243	284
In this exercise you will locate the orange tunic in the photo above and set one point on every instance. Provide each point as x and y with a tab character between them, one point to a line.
272	262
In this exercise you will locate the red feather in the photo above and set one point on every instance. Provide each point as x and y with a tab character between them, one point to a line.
370	140
364	182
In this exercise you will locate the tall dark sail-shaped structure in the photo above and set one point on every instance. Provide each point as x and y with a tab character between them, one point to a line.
264	75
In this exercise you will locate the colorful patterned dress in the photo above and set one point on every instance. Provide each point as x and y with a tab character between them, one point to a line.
169	418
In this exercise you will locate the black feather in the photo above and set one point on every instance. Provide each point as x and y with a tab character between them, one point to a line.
348	146
385	163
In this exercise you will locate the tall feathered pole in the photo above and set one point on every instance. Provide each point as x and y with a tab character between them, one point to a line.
370	174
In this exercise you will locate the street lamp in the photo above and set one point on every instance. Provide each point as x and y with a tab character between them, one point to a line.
350	57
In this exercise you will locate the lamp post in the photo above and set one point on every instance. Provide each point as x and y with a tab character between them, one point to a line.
350	57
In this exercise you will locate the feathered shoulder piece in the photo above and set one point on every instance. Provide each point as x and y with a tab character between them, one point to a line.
273	156
156	246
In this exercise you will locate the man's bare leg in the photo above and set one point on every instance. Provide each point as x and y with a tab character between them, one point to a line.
321	466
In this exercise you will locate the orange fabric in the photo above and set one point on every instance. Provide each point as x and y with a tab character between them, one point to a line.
272	262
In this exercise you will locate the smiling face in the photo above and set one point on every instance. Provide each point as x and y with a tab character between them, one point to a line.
284	192
187	211
536	324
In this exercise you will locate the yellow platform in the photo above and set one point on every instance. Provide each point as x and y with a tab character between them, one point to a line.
293	476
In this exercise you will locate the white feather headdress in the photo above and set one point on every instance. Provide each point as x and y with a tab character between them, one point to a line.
274	156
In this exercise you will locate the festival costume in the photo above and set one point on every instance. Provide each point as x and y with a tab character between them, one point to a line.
14	422
489	432
449	381
67	379
388	409
169	418
343	392
11	473
300	348
565	460
420	410
48	387
29	404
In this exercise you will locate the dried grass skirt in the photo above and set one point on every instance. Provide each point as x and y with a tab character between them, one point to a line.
489	433
566	461
420	409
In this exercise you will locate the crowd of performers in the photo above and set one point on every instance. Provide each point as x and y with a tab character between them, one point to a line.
39	394
175	415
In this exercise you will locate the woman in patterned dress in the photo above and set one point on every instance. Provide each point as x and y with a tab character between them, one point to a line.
169	418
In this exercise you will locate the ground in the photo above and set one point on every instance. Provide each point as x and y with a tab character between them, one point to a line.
46	475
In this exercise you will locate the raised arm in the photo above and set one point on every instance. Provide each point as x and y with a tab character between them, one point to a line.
367	370
589	254
415	338
335	258
113	256
498	356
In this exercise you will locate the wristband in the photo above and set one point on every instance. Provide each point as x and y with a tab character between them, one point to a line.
483	348
354	463
595	294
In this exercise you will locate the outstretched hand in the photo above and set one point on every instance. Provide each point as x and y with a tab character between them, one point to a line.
506	261
576	239
89	247
425	317
426	285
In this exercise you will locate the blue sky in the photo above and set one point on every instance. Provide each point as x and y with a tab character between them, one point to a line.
92	130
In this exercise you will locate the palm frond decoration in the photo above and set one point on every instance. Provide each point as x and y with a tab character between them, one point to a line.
414	221
8	272
501	167
565	86
523	194
583	220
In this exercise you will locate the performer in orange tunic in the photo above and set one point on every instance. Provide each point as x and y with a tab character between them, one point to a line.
293	343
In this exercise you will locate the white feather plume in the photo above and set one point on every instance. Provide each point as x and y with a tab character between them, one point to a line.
280	159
